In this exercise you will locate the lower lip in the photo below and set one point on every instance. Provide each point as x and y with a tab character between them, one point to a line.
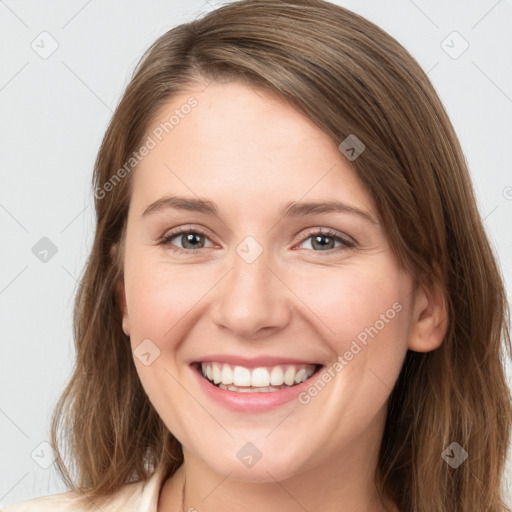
250	402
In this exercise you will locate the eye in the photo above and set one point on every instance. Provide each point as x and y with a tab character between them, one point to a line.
194	239
324	241
191	239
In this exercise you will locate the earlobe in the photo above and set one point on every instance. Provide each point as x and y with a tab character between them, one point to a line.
124	311
430	319
126	325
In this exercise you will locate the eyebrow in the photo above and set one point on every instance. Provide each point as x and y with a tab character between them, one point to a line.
291	209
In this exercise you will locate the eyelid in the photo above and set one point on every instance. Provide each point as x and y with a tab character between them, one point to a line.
185	229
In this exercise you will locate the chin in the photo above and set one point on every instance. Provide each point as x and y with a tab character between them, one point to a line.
263	470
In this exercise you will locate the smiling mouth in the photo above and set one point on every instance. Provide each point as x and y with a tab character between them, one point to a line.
265	379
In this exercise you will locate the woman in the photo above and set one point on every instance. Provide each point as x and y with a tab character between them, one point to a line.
291	302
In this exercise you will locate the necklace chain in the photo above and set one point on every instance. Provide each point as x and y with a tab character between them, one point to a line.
182	509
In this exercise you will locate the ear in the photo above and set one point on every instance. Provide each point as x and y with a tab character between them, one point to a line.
120	291
429	318
122	304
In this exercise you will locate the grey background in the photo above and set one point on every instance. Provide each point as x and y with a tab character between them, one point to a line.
55	111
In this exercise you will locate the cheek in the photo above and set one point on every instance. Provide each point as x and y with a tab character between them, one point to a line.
362	315
354	304
160	296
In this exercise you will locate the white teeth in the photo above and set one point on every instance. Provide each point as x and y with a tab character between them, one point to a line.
265	379
276	376
227	374
260	378
300	375
216	373
251	389
289	375
241	376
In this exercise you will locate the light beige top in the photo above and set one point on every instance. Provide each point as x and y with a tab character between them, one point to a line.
134	497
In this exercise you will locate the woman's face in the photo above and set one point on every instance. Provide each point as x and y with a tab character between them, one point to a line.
261	281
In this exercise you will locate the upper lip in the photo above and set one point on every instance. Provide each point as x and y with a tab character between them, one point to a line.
252	362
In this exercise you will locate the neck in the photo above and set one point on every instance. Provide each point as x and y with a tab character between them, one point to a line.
340	483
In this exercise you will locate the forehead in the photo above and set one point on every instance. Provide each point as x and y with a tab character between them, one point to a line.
241	144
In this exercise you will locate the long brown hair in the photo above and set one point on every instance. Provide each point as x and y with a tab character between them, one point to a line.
350	78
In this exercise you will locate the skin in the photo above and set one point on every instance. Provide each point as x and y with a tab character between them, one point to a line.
249	153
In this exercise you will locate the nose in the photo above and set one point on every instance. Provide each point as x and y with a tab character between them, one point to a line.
252	301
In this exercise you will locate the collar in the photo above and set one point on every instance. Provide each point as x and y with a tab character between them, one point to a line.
150	493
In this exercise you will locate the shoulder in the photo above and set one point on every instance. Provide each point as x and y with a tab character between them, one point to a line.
137	496
57	502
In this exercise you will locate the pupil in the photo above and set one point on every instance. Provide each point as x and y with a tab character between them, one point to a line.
190	238
322	245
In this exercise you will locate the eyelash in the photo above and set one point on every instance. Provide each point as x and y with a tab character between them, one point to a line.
345	241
